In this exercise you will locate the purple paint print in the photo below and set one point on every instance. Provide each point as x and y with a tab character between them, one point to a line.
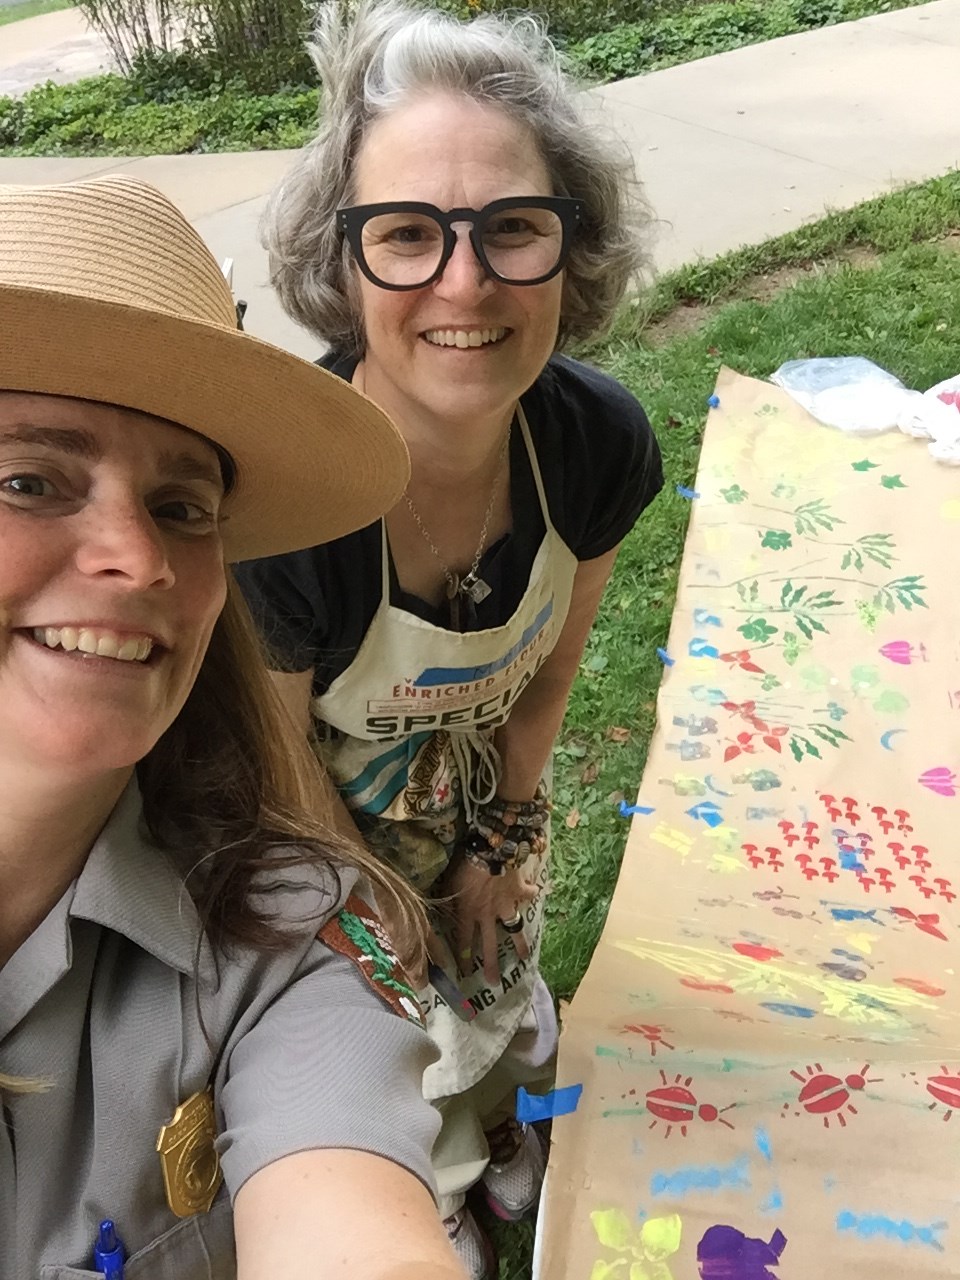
725	1253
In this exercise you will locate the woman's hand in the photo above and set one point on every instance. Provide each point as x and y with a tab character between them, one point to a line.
479	901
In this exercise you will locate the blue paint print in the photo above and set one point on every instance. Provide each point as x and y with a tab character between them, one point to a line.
684	492
871	1002
717	791
762	1139
868	1225
788	1010
704	618
700	648
665	658
706	811
849	860
706	1177
725	1253
773	1202
849	972
701	693
852	913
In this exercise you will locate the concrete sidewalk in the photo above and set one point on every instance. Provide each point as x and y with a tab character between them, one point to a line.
732	149
53	46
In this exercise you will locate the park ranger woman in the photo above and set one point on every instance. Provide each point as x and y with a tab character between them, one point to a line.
210	1059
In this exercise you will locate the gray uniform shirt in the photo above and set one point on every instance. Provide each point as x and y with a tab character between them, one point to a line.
103	1000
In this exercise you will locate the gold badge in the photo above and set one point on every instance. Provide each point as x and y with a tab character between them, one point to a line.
188	1158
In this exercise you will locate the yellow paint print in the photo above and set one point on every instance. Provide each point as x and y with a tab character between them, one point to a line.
841	998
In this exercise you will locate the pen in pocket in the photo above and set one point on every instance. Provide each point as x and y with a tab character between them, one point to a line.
108	1251
454	997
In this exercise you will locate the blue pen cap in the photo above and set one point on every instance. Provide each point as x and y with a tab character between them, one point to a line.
108	1252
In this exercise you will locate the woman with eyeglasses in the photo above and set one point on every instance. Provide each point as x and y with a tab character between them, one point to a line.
453	225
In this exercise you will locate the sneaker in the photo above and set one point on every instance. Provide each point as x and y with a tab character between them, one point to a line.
473	1246
513	1178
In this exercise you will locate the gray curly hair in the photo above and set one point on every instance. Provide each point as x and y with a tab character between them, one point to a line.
376	55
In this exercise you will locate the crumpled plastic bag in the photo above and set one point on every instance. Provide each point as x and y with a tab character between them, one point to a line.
850	393
936	417
856	395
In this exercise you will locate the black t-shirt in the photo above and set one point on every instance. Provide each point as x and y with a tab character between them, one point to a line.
600	464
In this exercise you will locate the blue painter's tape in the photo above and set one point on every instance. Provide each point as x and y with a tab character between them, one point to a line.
627	810
684	492
558	1102
665	658
713	402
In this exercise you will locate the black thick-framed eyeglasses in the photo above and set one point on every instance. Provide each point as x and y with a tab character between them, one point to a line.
406	244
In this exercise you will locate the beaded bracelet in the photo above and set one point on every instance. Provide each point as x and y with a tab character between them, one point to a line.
506	833
498	815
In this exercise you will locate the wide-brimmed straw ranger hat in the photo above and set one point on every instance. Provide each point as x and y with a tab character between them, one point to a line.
107	293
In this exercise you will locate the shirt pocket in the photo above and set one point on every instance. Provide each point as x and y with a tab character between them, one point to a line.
199	1248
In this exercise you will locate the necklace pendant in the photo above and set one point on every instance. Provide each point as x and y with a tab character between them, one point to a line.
475	588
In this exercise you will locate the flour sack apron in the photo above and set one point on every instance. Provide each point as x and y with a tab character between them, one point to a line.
406	733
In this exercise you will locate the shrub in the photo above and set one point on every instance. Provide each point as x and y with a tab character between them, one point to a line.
261	42
133	28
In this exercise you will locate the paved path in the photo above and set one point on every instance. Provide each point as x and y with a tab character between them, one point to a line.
732	149
53	46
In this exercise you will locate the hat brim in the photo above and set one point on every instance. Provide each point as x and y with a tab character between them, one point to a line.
314	458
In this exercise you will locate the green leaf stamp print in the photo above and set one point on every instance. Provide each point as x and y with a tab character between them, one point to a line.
734	494
757	629
776	540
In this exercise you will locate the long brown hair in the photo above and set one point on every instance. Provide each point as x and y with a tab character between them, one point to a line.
233	789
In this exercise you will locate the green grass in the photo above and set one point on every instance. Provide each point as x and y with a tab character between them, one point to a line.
903	312
31	9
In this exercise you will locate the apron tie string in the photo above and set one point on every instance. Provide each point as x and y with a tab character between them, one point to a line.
478	765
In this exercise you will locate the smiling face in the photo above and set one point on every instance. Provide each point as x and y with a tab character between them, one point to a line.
452	152
111	579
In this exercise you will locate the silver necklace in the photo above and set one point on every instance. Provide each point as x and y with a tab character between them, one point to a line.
471	585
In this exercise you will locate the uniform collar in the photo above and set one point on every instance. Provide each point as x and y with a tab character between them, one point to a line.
131	886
